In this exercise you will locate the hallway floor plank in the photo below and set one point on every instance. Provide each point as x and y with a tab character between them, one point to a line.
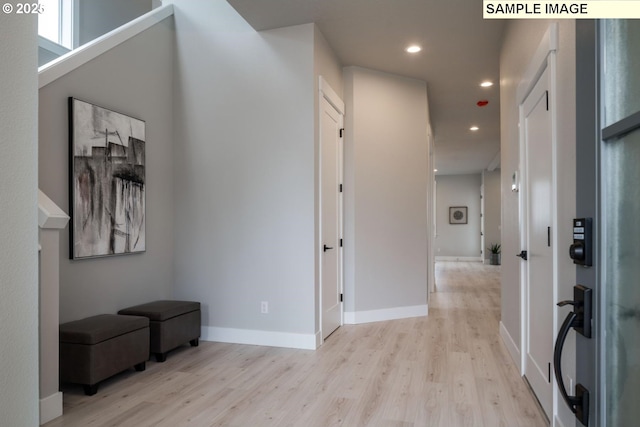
449	369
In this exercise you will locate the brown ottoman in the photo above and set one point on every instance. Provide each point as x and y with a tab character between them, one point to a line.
98	347
171	323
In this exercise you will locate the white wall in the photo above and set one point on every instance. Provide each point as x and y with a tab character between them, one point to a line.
18	228
326	63
134	78
244	173
98	17
492	209
458	240
386	186
522	37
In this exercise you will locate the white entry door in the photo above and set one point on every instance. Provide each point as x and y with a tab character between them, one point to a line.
537	235
331	122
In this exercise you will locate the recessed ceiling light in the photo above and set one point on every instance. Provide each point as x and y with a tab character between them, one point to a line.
486	84
474	128
435	170
413	49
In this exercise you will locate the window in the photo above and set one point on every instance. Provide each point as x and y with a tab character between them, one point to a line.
56	22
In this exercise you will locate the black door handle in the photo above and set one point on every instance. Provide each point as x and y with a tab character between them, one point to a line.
326	248
523	255
580	320
579	404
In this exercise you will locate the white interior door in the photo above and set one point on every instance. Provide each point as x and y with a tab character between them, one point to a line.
331	121
538	207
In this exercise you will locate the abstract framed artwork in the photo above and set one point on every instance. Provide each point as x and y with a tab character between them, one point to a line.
458	215
106	182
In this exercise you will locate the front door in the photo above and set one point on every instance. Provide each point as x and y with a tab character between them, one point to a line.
538	261
608	177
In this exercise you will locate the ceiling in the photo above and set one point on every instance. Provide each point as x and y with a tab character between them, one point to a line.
459	51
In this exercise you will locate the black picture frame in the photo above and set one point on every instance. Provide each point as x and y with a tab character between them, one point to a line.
107	193
458	215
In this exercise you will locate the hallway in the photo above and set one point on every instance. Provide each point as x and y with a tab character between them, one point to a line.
449	369
466	305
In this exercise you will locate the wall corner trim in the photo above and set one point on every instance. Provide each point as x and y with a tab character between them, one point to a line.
66	63
50	407
508	341
358	317
263	338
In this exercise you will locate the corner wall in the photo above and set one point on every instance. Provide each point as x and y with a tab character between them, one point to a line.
458	240
386	187
492	210
134	78
18	228
244	175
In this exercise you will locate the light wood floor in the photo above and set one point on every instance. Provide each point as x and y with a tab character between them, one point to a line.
449	369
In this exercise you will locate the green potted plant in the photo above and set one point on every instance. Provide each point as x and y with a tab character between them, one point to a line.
494	258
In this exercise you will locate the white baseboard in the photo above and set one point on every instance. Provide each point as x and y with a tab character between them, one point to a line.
265	338
511	345
357	317
50	407
459	258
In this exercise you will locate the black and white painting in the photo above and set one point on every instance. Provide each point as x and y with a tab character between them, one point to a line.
458	215
107	181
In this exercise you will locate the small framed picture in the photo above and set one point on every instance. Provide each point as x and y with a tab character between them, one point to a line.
458	215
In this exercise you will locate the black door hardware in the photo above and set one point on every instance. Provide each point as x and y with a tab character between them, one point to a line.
582	309
580	320
523	255
580	251
326	248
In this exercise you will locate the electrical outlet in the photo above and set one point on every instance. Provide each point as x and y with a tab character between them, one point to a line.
264	307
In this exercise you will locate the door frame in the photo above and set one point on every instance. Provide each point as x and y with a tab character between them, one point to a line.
543	58
589	365
326	92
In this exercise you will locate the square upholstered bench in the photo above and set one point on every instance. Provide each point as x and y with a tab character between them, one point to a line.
95	348
172	323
